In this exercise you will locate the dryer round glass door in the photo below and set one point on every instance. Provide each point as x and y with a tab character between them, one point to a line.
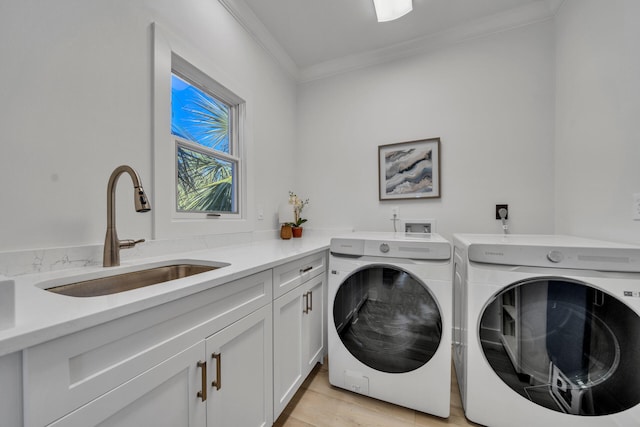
387	319
564	345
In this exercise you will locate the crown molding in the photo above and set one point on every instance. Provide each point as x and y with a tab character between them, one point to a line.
256	29
528	14
508	20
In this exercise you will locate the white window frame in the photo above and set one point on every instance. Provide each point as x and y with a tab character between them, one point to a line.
197	78
171	54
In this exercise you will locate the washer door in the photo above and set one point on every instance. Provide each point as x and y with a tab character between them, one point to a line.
564	345
387	319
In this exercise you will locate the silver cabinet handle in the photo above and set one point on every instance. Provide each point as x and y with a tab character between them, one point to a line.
306	302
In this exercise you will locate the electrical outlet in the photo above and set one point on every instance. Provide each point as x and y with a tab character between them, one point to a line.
395	212
498	207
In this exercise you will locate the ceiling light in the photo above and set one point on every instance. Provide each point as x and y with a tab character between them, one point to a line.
388	10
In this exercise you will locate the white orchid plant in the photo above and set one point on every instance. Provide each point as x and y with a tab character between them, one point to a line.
298	206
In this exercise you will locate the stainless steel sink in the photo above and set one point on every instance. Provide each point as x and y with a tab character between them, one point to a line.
133	280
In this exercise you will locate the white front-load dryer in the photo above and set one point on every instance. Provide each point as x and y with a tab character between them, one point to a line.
389	318
547	330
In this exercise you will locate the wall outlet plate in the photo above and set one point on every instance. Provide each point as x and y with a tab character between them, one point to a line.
498	207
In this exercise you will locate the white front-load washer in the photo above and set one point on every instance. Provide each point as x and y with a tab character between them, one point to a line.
547	330
389	311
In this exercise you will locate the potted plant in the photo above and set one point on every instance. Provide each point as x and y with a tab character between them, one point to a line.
298	206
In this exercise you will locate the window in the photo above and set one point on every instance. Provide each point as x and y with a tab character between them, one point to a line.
201	143
203	129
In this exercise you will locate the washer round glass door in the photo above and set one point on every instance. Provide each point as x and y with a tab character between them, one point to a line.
387	319
564	345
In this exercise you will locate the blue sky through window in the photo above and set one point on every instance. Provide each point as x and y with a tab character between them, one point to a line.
197	116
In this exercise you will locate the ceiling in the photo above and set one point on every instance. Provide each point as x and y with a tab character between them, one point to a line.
316	38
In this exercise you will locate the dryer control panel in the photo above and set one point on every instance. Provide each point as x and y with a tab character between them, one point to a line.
393	245
581	258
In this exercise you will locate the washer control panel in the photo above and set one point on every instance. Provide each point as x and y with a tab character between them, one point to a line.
575	257
392	245
408	249
555	256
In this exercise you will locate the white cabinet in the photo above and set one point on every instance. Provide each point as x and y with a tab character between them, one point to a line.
232	389
240	373
165	395
205	360
108	361
11	390
298	339
313	323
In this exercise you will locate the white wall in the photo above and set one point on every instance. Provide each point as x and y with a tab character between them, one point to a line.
490	100
598	118
75	85
75	91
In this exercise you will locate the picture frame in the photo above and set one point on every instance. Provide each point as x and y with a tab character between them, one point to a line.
409	170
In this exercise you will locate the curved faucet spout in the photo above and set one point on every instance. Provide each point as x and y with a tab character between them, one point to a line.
112	244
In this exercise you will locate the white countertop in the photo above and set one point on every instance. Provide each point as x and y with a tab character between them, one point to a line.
41	315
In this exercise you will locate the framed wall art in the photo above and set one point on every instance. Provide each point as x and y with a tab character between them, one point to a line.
409	170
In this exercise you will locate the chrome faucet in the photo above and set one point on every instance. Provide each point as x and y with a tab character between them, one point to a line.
112	244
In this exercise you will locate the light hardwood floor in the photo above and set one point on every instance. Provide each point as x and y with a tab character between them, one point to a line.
319	404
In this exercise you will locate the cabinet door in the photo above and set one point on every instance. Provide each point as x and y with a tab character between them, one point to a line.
313	324
164	396
287	347
298	339
241	373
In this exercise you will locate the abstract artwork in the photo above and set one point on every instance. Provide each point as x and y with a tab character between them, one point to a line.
409	170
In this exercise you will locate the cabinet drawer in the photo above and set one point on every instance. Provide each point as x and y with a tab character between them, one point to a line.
66	373
294	273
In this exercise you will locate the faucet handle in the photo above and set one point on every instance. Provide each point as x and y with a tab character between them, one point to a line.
129	243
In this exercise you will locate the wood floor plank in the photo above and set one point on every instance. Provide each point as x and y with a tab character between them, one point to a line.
319	404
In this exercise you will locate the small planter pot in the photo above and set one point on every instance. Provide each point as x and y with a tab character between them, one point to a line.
297	231
285	232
